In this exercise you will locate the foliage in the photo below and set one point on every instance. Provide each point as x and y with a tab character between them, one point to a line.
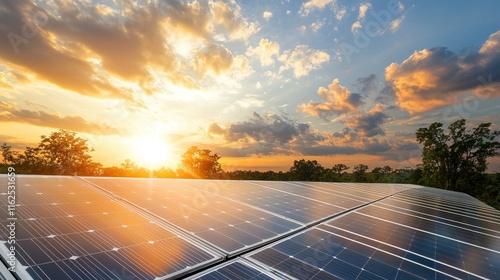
199	163
359	173
60	153
303	170
457	159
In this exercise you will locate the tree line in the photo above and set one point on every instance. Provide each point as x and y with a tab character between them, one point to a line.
454	160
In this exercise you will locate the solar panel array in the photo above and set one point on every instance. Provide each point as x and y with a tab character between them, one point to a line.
128	228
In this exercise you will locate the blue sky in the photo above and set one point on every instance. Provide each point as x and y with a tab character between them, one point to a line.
261	83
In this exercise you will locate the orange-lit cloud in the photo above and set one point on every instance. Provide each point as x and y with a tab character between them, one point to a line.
97	51
214	58
338	100
228	16
434	78
12	113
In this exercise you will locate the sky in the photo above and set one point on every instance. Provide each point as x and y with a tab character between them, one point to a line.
260	83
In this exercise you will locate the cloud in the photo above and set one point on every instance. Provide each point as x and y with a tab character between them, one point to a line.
192	18
368	124
38	53
270	128
394	25
363	8
268	134
273	134
302	60
4	82
338	98
250	100
109	50
241	67
311	5
267	15
214	58
434	78
317	25
265	51
340	11
355	26
12	113
368	84
229	17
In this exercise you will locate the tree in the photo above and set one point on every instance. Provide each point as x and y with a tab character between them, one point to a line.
339	168
457	159
66	154
200	163
61	153
303	170
380	174
335	174
9	156
359	172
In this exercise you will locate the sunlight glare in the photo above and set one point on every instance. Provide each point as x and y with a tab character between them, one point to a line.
152	152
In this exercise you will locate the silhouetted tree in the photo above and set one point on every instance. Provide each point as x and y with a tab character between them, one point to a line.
60	153
457	159
200	163
380	174
303	170
359	172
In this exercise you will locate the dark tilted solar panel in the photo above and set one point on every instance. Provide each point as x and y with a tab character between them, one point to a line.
196	207
68	230
380	242
238	269
299	208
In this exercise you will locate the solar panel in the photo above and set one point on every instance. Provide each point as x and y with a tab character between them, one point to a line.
68	230
200	208
128	228
237	269
377	242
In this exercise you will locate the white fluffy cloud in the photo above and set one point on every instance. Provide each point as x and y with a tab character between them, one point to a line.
302	60
266	52
311	5
267	15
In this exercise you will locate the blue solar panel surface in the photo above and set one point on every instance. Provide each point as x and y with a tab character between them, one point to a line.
68	230
102	228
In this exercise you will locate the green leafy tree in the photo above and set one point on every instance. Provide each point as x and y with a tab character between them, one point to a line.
457	159
336	173
380	174
303	170
359	173
200	163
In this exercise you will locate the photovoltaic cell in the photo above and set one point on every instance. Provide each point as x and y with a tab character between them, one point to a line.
238	269
200	208
377	242
101	228
68	230
299	208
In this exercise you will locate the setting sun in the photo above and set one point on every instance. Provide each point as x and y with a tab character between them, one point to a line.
152	151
